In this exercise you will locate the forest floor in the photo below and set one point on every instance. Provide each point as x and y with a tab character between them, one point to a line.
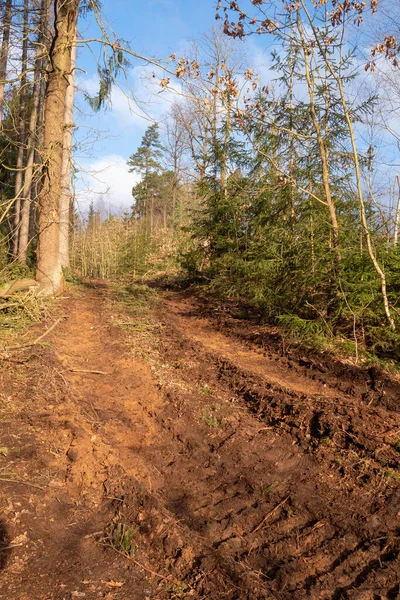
153	447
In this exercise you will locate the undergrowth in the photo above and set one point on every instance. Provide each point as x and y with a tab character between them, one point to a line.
318	336
312	334
135	296
15	270
19	312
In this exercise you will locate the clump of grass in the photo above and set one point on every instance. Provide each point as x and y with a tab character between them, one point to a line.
178	364
178	588
136	299
209	418
269	489
134	294
143	292
121	538
391	474
211	421
15	270
205	390
71	277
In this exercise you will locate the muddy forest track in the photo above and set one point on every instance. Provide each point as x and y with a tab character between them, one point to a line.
239	477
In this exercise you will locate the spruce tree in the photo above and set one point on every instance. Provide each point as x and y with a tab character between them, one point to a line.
146	161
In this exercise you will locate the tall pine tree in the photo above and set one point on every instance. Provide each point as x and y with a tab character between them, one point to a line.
146	161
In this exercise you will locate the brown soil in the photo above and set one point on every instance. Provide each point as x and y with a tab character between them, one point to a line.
203	459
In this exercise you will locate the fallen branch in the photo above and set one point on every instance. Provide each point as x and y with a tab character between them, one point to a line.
22	482
265	519
39	339
3	548
8	305
62	376
94	534
12	360
138	564
19	285
88	371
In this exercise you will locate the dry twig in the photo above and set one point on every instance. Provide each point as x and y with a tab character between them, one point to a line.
22	482
39	339
8	305
138	564
267	516
88	371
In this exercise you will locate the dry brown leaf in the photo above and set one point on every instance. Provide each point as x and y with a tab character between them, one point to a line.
113	584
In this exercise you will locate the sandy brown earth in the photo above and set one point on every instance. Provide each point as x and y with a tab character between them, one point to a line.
156	447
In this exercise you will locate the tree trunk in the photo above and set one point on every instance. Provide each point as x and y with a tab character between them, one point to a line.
32	142
291	127
49	271
65	199
371	251
397	215
19	177
323	151
47	36
29	174
4	53
225	149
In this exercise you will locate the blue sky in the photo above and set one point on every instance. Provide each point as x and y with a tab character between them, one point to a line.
153	28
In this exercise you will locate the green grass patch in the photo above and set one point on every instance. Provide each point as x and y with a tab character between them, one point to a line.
122	539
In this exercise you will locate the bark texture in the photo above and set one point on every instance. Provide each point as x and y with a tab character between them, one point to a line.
65	199
49	270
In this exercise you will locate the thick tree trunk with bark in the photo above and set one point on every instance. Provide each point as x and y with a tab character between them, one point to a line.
49	271
65	200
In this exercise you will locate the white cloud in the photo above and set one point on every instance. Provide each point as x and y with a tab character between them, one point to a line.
262	63
139	98
106	178
134	106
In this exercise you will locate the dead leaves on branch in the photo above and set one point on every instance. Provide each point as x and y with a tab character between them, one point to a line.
184	68
224	84
236	28
244	24
390	49
346	7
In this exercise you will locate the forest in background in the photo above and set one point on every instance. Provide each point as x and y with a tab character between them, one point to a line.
273	193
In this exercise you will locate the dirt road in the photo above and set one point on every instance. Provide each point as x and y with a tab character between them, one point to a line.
158	449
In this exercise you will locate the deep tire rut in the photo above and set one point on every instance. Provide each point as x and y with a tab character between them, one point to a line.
237	477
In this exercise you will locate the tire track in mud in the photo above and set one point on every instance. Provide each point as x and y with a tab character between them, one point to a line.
239	479
336	534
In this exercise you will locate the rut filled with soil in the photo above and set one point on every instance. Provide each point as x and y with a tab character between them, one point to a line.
188	460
